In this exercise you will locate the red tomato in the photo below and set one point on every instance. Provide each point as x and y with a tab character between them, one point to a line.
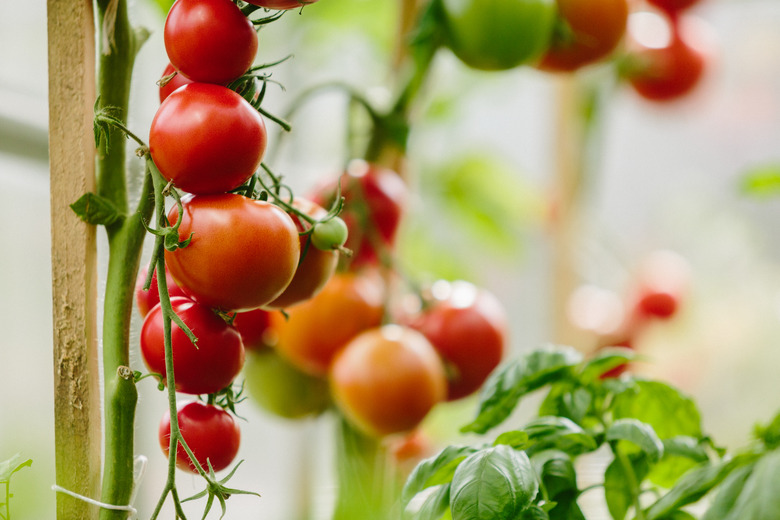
210	432
281	4
672	7
145	300
386	380
179	80
242	255
253	327
209	41
317	265
374	200
593	30
669	72
662	282
467	326
203	369
318	328
207	139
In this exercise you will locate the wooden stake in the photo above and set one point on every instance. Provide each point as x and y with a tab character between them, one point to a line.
74	274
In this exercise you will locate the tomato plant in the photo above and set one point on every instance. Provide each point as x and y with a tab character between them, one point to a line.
242	255
178	80
498	34
203	368
207	139
209	41
386	380
283	390
318	328
316	266
329	234
374	201
588	30
467	326
210	432
254	328
145	299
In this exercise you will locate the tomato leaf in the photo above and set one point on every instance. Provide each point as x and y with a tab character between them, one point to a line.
496	482
435	470
508	384
96	210
638	433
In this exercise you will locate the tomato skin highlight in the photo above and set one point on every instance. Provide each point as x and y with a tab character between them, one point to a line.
671	72
209	41
242	255
207	139
315	269
283	390
467	326
596	28
498	34
145	300
203	369
318	328
210	432
386	380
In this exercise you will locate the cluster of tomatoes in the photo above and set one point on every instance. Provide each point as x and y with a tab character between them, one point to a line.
237	251
567	35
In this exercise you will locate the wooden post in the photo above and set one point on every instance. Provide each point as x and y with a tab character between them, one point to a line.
74	275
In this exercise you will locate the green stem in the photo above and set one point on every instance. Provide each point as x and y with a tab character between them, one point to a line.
628	470
364	486
118	45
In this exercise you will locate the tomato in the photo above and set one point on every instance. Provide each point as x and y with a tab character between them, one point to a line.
498	34
467	326
386	380
374	200
673	7
662	281
330	234
207	139
210	432
283	390
209	41
281	4
242	255
205	368
253	327
179	80
318	328
591	29
145	300
670	72
316	267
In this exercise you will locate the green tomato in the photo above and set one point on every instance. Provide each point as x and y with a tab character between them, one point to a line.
282	389
498	34
329	234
